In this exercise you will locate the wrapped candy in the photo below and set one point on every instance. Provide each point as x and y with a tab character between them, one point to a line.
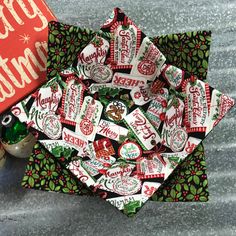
15	137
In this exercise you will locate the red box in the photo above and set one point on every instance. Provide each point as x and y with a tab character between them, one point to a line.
23	48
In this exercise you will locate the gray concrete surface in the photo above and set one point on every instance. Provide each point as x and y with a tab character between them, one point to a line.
40	213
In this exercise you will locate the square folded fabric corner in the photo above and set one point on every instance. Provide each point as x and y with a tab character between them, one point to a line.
121	115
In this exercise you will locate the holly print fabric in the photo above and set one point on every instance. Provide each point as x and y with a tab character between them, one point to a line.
123	142
44	172
64	42
163	193
188	51
188	182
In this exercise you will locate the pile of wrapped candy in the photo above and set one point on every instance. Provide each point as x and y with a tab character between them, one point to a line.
121	116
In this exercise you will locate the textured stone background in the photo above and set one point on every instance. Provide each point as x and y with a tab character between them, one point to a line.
40	213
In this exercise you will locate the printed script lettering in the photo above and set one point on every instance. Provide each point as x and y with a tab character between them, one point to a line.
10	6
50	102
120	202
175	119
97	56
31	63
197	109
23	67
90	111
106	130
37	117
225	103
151	53
125	40
155	108
50	146
72	99
141	126
116	172
72	103
130	151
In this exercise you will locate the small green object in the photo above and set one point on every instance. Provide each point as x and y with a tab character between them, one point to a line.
109	91
67	152
104	100
131	207
15	133
61	151
122	139
56	151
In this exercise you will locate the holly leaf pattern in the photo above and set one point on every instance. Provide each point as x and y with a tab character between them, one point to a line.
64	43
188	51
45	173
188	182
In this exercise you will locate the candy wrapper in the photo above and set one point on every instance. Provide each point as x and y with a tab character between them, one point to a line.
124	120
183	176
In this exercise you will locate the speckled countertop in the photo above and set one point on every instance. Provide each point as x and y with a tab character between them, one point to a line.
31	212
